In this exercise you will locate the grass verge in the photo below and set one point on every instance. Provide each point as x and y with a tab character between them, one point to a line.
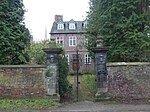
28	104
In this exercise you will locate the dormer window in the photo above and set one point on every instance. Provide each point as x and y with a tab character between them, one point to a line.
85	25
60	26
72	26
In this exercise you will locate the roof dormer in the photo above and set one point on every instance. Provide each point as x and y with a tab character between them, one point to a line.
72	25
60	26
84	25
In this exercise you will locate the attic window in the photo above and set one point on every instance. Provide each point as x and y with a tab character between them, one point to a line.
60	26
72	26
85	25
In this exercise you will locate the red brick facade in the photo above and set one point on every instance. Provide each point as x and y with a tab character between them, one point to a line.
70	39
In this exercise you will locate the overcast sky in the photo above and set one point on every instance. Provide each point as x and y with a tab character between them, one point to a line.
40	14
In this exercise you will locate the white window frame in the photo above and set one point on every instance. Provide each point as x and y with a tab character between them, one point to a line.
60	40
85	41
87	59
60	26
72	26
148	34
85	25
72	41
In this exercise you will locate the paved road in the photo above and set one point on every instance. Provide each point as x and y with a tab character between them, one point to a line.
87	106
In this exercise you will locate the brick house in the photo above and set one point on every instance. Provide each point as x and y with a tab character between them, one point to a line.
71	35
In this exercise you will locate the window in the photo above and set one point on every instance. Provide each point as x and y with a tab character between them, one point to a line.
60	40
67	56
85	25
87	59
60	26
148	34
85	41
72	41
72	26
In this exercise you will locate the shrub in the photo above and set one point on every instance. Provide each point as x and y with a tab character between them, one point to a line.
35	52
63	73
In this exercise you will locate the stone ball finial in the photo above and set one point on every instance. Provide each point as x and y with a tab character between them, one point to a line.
52	43
52	39
99	41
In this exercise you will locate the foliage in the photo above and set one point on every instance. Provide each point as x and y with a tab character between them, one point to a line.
35	52
124	24
37	56
87	86
27	104
63	73
14	36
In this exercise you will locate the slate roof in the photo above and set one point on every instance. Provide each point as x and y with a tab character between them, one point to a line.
66	30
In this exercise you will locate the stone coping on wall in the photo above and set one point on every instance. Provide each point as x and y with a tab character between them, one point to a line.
108	65
113	64
22	66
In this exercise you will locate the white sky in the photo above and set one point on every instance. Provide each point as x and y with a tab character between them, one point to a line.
40	14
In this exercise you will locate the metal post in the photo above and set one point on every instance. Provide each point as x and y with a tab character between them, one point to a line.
77	74
75	67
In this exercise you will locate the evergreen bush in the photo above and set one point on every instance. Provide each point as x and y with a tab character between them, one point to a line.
63	73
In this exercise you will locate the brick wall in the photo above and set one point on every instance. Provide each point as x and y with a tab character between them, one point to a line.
22	81
125	80
129	80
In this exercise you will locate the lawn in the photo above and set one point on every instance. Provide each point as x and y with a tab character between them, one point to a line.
27	104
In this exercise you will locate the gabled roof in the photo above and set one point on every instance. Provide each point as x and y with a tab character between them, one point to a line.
79	27
71	21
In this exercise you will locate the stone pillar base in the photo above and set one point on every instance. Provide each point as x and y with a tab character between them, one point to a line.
102	95
54	97
102	90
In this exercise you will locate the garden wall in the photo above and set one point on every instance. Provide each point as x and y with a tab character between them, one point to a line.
129	80
21	81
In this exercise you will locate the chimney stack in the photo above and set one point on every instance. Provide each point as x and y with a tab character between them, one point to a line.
58	18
